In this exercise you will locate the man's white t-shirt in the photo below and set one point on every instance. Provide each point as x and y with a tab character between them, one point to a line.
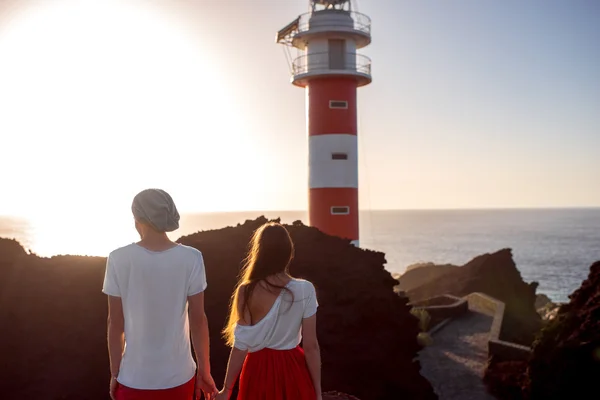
154	287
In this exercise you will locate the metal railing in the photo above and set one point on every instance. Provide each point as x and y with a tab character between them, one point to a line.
361	22
319	62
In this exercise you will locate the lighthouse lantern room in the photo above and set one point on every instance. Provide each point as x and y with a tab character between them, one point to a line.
327	65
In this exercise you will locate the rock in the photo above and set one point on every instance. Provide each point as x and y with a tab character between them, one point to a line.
419	274
495	275
53	336
565	363
504	379
541	300
367	335
10	250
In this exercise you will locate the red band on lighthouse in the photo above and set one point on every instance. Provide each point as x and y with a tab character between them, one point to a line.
326	100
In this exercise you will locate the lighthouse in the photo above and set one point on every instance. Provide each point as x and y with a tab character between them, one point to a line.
326	64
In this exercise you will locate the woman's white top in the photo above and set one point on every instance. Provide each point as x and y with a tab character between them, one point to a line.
281	328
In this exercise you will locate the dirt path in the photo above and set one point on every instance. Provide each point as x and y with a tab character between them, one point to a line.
455	362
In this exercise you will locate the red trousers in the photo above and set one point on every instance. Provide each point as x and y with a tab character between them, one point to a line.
183	392
276	375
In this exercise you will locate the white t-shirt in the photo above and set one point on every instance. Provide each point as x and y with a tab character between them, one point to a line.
281	328
154	287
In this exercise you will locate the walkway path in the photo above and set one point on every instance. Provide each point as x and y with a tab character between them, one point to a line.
455	362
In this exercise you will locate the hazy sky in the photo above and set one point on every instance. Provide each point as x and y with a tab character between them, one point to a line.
473	104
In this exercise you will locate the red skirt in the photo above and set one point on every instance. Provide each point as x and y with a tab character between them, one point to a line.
276	375
182	392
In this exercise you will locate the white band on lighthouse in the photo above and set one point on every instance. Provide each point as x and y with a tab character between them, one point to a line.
333	161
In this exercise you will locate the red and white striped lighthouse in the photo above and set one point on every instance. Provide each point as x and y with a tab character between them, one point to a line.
328	66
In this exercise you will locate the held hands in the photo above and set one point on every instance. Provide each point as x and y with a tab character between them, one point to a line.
224	394
206	384
113	388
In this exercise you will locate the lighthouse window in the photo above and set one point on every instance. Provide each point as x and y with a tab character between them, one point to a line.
339	156
338	104
340	210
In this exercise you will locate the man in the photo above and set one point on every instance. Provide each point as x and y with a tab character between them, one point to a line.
155	291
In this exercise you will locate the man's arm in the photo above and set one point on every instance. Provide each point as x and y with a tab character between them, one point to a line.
116	334
199	332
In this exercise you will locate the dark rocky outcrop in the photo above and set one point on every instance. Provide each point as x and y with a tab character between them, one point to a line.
541	300
419	274
10	251
505	379
367	335
53	315
53	336
495	275
566	358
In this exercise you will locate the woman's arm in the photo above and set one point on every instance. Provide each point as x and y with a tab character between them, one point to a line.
116	334
312	351
234	366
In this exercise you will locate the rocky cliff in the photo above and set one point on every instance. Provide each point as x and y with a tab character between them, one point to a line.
495	275
419	274
53	336
566	358
367	335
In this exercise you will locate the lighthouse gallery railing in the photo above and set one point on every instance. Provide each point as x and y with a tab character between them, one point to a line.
318	62
362	23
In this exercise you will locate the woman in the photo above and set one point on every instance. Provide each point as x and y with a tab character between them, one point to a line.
270	313
152	287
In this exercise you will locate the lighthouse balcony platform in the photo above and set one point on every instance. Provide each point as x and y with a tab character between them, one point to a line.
319	65
350	24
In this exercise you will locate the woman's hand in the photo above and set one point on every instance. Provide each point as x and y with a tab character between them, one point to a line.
223	394
113	388
206	384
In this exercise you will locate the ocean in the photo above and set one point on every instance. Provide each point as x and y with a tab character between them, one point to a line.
554	247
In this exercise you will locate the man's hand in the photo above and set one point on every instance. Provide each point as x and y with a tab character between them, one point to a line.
113	388
206	384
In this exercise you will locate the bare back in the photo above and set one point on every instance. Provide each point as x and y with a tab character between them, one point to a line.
261	300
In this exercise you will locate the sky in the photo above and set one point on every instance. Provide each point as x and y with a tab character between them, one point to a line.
474	104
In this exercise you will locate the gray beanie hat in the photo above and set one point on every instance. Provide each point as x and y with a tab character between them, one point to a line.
157	208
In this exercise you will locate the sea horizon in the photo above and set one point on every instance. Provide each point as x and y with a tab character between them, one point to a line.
553	246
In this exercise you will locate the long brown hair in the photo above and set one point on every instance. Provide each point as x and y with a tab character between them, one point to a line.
271	252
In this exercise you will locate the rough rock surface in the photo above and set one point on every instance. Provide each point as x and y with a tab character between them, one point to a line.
419	274
541	300
367	335
566	359
504	379
53	315
495	275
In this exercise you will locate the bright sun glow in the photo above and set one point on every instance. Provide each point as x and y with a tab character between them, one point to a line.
100	100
